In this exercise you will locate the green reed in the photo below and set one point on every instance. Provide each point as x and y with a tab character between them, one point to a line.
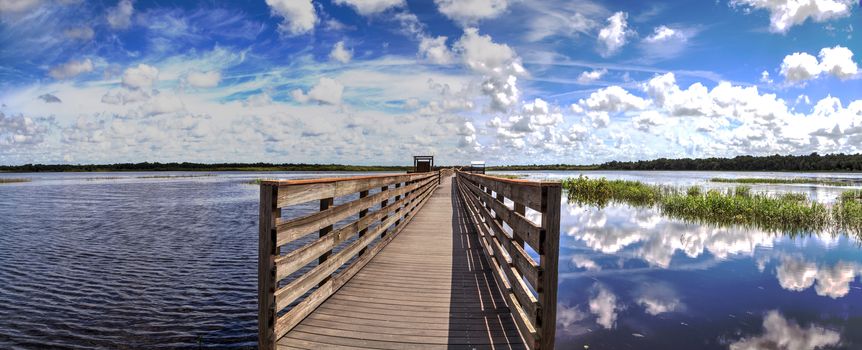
736	206
847	213
508	176
776	181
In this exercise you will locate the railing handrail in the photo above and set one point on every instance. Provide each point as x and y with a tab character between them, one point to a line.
410	192
289	182
524	182
484	198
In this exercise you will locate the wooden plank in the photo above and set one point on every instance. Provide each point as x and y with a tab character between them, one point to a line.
325	203
300	191
266	268
289	320
290	230
522	319
521	227
296	288
293	261
549	259
522	192
519	257
362	214
505	267
426	285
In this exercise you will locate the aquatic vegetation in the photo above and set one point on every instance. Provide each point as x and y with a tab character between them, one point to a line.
601	191
776	181
508	176
10	181
103	178
741	207
173	176
847	213
790	212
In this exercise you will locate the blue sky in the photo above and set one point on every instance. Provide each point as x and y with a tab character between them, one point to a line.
377	81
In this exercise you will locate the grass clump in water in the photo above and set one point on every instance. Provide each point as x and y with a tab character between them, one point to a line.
508	176
847	213
740	207
12	181
735	206
775	181
601	191
173	176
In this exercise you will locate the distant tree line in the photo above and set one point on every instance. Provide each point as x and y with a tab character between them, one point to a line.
811	162
185	166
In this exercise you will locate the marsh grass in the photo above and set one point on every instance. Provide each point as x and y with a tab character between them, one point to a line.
847	213
736	206
508	176
173	176
776	181
12	181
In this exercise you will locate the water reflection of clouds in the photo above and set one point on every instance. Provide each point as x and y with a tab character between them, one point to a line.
797	274
616	228
604	306
781	333
658	298
583	262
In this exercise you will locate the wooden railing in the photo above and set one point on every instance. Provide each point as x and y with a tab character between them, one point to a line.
282	282
505	232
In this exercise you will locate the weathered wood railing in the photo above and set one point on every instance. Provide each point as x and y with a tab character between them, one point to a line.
281	306
512	265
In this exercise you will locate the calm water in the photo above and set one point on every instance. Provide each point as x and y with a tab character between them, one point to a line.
633	279
134	262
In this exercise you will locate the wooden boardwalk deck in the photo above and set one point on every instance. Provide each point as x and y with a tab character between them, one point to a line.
431	287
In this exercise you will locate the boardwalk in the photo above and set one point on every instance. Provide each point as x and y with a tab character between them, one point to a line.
430	288
422	260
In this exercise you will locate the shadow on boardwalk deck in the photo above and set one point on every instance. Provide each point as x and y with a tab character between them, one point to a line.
430	288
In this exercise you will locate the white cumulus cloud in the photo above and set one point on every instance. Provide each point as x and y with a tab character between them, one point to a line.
299	15
434	50
340	54
120	17
615	35
497	62
469	12
836	61
784	14
327	91
141	77
370	7
587	77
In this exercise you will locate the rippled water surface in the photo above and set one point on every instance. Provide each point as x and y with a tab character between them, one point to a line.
122	260
111	260
633	279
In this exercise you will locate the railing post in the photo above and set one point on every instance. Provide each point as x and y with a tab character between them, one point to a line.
520	209
398	207
549	250
497	217
383	204
267	251
325	203
362	213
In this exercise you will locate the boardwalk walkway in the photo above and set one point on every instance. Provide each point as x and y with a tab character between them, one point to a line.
430	288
